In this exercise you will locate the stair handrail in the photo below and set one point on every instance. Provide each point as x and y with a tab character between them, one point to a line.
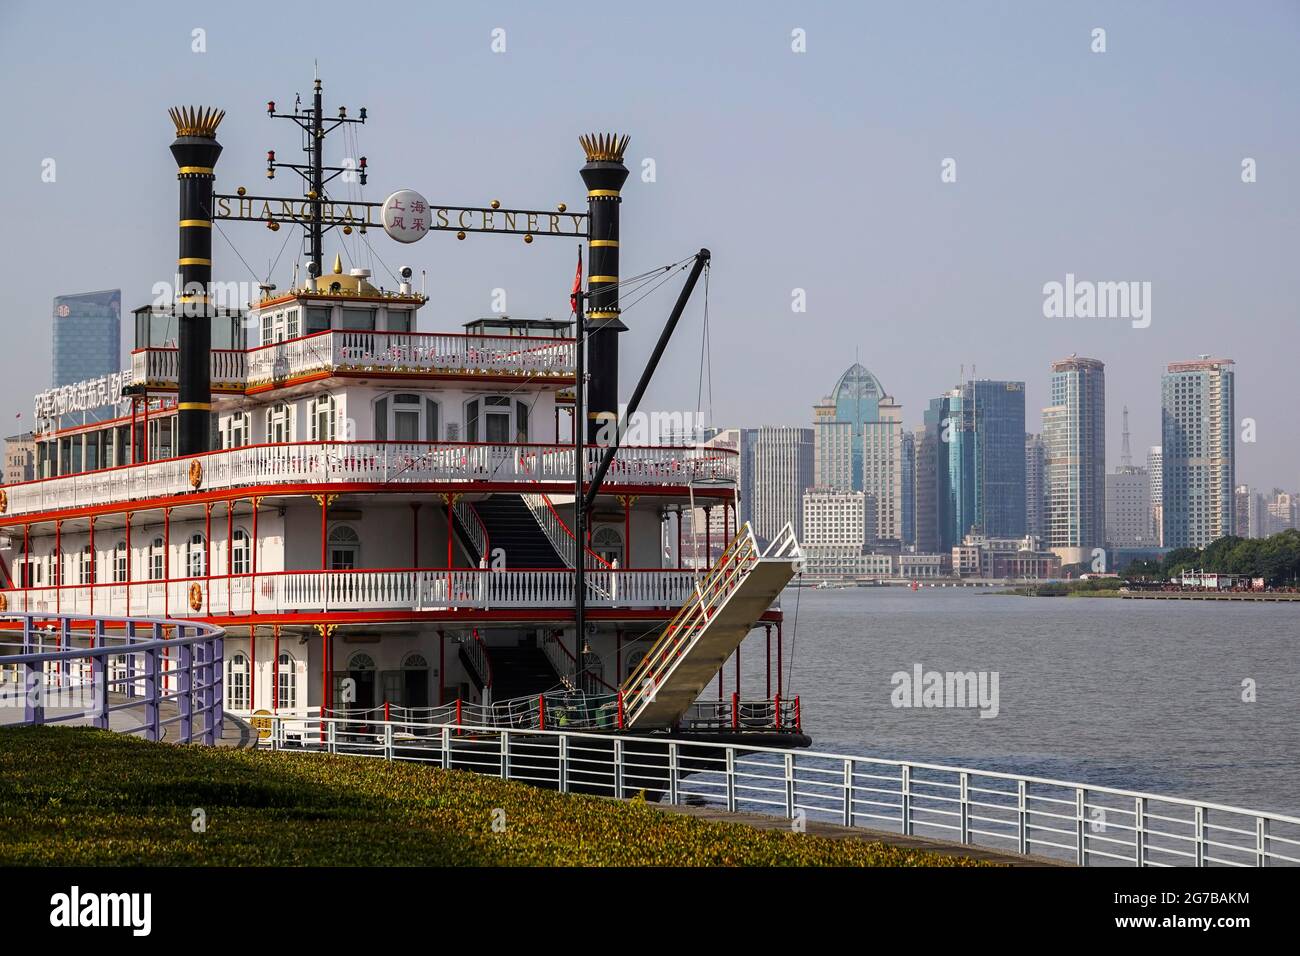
569	671
722	580
476	653
474	529
543	510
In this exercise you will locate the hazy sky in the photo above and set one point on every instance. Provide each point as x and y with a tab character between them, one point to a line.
817	171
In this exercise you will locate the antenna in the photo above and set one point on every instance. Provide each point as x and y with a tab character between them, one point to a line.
1126	454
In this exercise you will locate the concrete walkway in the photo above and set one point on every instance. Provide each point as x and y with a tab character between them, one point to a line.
234	731
835	831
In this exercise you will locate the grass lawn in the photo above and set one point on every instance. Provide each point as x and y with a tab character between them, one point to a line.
70	796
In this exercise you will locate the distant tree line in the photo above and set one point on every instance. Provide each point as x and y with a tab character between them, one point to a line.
1276	559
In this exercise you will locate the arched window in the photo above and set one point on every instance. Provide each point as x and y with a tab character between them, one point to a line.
322	418
85	561
344	548
414	689
121	563
157	561
196	558
286	687
239	552
496	419
406	416
237	683
608	543
279	424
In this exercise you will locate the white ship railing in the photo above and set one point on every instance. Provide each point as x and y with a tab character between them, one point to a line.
349	351
1072	822
368	463
359	590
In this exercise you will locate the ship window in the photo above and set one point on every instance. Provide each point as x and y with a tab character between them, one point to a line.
286	682
157	560
471	421
406	417
196	557
322	418
239	552
399	320
120	563
344	548
413	419
608	543
291	324
237	431
237	683
278	424
359	320
381	420
317	319
84	564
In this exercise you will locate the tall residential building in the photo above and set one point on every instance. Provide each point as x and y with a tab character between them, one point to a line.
780	471
908	460
1128	508
925	448
87	337
858	441
1074	430
1156	472
20	458
1199	460
1035	487
1241	511
1281	509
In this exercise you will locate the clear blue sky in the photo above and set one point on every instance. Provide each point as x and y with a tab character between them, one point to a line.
817	171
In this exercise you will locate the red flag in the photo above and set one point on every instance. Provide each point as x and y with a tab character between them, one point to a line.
577	284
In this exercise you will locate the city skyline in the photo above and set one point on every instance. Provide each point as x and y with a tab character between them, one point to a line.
918	275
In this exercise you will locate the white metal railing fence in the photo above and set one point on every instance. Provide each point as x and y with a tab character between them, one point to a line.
363	462
1072	822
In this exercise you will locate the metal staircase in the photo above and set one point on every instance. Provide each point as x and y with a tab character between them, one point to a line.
708	628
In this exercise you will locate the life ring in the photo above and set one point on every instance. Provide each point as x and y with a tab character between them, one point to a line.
4	501
196	473
196	596
4	602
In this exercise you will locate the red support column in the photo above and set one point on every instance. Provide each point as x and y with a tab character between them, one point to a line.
252	667
207	555
58	565
167	561
230	559
130	569
324	519
780	682
275	669
94	565
26	577
252	591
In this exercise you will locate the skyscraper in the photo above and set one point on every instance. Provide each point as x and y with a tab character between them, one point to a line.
780	470
1156	473
980	460
858	444
87	336
1074	430
1036	487
925	443
87	342
908	460
1199	460
1128	508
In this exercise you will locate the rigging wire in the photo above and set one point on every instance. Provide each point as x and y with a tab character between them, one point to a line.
794	636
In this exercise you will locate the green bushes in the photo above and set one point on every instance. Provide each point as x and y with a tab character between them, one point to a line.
82	797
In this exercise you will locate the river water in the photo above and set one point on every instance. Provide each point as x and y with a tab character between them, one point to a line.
1142	695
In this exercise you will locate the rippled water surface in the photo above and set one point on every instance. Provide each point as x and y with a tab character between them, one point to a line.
1144	695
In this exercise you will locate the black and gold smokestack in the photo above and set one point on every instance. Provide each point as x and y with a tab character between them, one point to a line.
196	150
604	176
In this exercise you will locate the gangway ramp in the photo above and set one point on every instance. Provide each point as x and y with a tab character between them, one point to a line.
709	627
